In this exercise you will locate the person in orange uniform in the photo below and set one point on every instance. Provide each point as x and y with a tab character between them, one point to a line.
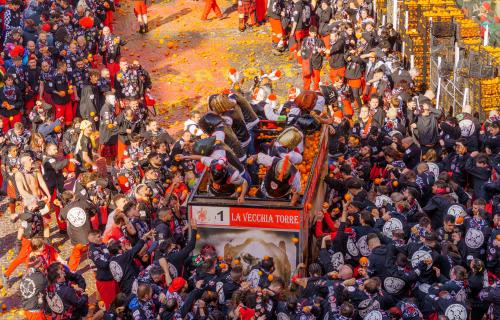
141	12
209	6
274	11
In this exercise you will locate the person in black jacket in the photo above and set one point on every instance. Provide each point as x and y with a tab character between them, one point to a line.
336	59
66	295
171	257
491	139
312	51
121	266
61	94
324	13
100	257
477	166
55	177
32	288
172	310
11	103
77	212
412	152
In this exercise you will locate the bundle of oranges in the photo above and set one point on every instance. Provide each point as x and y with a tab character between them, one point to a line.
311	145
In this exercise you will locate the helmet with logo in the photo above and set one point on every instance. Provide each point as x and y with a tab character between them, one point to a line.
218	170
209	121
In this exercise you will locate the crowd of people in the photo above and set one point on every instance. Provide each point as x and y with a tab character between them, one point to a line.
409	228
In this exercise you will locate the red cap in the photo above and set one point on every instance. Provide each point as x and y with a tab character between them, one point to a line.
177	284
17	51
86	22
46	27
246	313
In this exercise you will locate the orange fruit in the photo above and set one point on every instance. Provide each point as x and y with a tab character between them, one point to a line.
363	261
57	129
239	189
270	277
170	44
223	266
395	183
198	236
236	262
377	181
295	240
110	126
347	197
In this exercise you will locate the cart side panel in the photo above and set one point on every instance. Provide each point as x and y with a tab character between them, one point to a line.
311	195
249	234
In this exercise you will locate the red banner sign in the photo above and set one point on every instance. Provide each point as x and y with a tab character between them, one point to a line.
247	217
